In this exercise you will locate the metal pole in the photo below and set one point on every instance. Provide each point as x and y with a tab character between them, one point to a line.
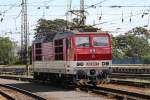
68	14
25	34
82	17
26	37
22	33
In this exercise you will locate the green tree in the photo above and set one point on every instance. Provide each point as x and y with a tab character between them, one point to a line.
45	27
134	43
117	51
140	32
136	46
139	39
7	55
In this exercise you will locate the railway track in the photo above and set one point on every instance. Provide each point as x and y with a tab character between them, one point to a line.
118	94
6	96
14	93
50	92
131	79
129	75
115	93
130	83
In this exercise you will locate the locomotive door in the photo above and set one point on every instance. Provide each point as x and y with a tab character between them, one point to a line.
69	51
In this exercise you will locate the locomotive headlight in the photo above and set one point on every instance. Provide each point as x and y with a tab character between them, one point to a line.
80	64
105	63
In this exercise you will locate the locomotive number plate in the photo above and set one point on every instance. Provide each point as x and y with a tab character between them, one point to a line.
92	64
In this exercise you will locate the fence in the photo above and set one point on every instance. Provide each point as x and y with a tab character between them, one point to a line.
130	61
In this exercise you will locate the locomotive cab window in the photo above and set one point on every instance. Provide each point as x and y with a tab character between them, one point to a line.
38	45
82	41
100	41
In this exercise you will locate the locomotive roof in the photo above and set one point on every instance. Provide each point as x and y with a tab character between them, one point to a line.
61	35
45	38
91	33
49	37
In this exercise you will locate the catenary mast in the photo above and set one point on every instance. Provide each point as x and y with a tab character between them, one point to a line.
24	35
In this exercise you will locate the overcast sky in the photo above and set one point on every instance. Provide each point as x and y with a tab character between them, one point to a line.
130	11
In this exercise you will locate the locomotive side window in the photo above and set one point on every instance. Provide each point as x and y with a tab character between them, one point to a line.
82	41
38	45
58	49
58	42
100	41
38	58
38	51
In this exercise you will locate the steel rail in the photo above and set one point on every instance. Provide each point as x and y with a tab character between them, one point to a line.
119	94
127	75
103	90
112	80
23	92
17	78
138	80
130	83
6	95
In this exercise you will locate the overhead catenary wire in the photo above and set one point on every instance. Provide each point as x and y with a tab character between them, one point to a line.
87	6
10	7
120	6
105	22
115	20
128	26
5	11
93	5
46	1
99	4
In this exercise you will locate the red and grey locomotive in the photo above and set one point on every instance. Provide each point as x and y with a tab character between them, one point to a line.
73	56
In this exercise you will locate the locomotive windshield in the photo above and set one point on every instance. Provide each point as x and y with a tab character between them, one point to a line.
82	41
100	41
